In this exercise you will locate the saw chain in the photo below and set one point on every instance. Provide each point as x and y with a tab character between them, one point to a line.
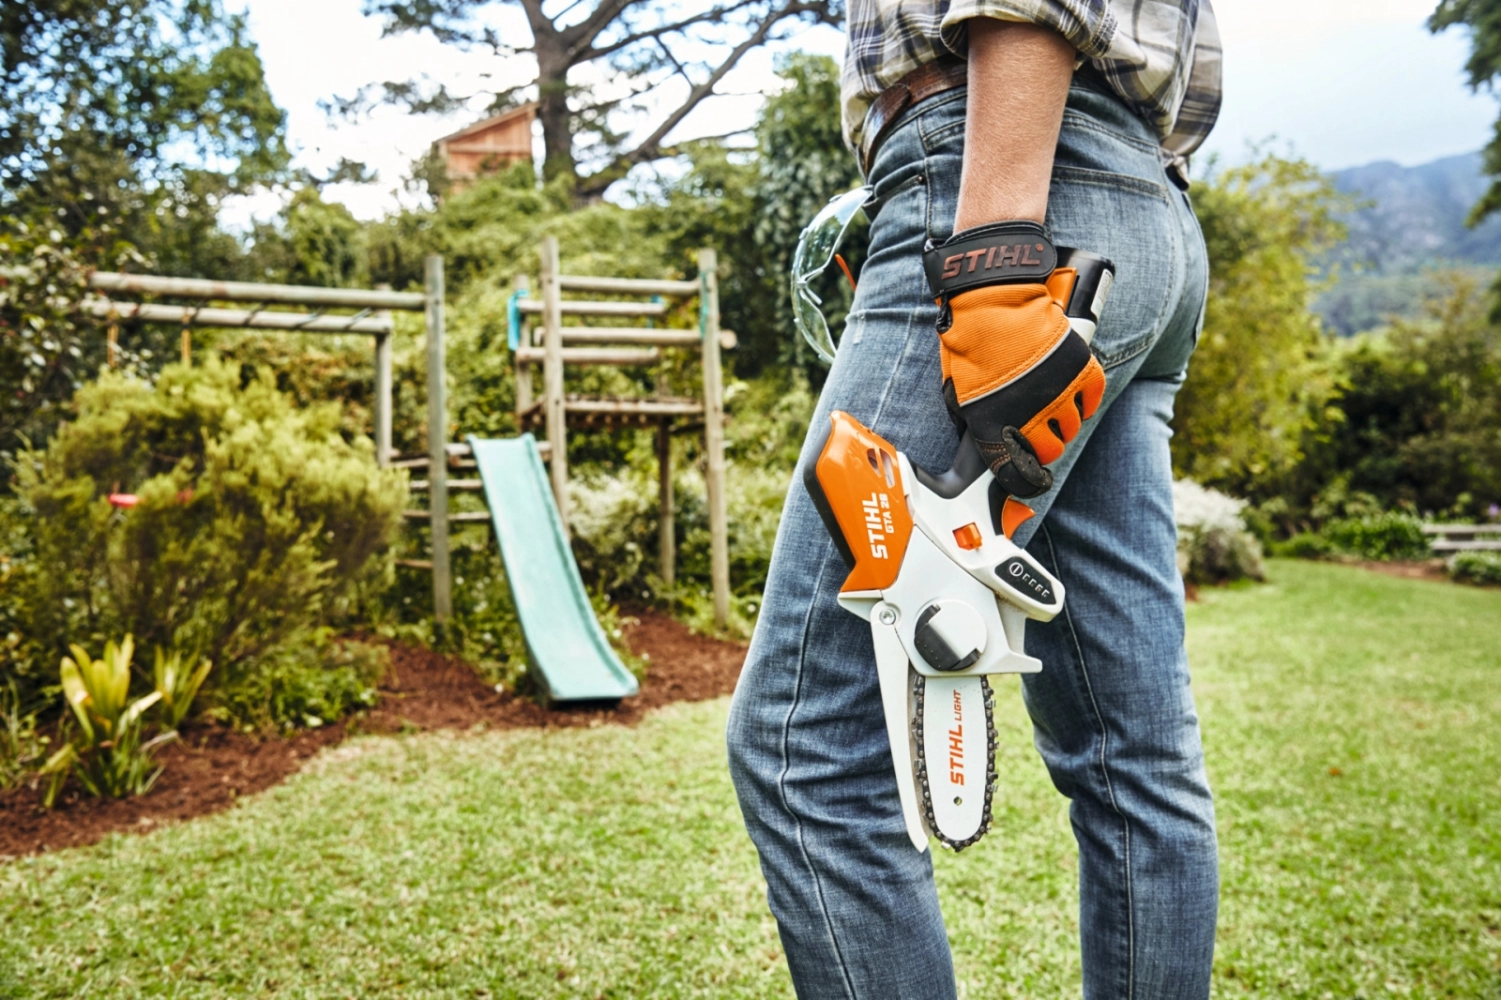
919	688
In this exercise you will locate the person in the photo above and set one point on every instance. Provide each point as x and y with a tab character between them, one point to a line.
974	117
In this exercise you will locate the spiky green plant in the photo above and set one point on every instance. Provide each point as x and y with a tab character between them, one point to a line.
21	746
106	751
178	686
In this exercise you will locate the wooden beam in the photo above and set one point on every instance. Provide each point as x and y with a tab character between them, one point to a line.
666	538
582	307
236	318
629	335
521	283
591	356
714	465
646	407
626	286
453	485
552	376
250	291
437	438
460	517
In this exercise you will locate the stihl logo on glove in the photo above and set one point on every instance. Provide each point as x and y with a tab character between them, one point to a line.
999	255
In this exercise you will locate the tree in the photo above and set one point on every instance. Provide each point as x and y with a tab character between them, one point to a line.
1258	374
1483	18
112	108
642	47
1417	420
122	125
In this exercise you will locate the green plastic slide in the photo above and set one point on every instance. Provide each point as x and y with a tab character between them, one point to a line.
569	653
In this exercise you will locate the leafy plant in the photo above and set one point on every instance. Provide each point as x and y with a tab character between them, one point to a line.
315	680
1259	372
177	684
1384	536
107	752
21	746
1476	567
256	523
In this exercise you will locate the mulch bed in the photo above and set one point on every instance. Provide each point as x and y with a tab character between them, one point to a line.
1420	569
211	767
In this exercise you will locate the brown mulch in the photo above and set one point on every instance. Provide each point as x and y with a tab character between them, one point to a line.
212	767
1422	569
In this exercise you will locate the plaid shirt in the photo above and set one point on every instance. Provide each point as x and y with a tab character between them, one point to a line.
1161	56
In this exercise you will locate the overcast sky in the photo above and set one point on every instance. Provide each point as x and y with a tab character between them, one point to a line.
1342	82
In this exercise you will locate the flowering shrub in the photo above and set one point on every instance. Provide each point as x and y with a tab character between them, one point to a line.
1213	543
1476	567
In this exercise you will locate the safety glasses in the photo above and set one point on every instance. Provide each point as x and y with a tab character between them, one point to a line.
816	249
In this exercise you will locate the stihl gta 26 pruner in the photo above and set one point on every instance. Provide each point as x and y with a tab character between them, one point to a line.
946	591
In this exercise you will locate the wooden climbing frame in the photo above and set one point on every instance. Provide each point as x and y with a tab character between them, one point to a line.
547	343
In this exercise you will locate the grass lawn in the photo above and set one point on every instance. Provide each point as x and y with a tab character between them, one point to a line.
1353	724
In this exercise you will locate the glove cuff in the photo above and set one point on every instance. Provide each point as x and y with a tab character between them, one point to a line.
1013	252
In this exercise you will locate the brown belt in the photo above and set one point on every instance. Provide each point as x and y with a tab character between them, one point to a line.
919	85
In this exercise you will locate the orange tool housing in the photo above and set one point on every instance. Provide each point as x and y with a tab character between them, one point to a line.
861	482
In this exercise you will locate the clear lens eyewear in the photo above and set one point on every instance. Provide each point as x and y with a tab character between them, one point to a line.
815	251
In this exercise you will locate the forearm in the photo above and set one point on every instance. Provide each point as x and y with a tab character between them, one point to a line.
1018	83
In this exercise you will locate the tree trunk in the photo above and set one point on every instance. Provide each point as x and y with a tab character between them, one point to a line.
552	112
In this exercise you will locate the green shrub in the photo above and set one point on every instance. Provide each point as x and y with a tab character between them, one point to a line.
1476	567
314	680
254	523
1388	535
1305	545
1213	543
22	748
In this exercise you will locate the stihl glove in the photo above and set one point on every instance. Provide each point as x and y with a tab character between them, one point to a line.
1014	373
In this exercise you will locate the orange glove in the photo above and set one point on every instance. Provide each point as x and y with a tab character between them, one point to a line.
1014	373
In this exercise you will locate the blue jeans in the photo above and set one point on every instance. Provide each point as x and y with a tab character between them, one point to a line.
1113	716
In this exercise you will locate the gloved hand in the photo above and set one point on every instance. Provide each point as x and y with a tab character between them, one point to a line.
1013	371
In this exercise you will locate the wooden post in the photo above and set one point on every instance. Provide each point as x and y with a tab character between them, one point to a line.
552	377
112	345
666	541
437	437
187	345
719	532
521	283
383	391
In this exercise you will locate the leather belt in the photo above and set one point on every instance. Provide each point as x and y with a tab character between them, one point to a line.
922	83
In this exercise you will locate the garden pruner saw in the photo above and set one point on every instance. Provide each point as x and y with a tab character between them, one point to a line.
946	591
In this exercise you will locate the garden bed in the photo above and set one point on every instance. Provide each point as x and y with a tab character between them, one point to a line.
212	767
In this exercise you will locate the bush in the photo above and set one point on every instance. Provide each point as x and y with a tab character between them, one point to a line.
1305	545
1213	543
239	523
22	748
1384	536
1476	567
318	679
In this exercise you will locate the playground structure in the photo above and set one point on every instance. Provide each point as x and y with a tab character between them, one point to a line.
528	507
549	345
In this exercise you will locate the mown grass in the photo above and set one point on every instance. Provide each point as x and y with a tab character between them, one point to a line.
1352	726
